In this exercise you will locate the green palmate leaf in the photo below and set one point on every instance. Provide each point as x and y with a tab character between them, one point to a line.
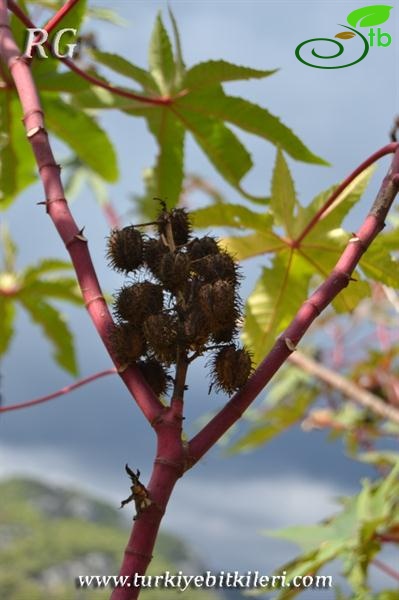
55	329
378	264
283	287
146	208
76	178
283	199
106	14
249	117
9	249
168	171
381	458
8	182
349	535
7	316
248	246
47	265
333	217
277	296
59	82
197	100
17	27
276	420
219	143
61	289
124	67
231	215
179	62
16	158
369	16
74	19
322	258
209	73
307	537
83	135
161	62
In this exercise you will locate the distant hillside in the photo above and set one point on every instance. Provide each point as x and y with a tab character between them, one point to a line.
49	536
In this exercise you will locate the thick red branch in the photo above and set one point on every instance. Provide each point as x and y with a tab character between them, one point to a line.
65	390
61	216
318	301
169	465
162	101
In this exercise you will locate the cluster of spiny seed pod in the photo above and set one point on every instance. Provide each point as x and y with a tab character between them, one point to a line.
181	302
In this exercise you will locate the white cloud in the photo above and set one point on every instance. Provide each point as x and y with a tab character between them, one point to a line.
221	519
224	519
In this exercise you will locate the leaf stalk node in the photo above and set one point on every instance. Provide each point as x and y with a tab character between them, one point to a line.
313	305
176	466
89	302
131	550
48	201
53	165
35	130
15	60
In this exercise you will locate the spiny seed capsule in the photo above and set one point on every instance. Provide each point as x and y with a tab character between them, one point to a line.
218	266
154	251
161	332
125	249
201	247
127	343
136	302
174	271
196	330
218	303
180	223
231	368
225	333
155	374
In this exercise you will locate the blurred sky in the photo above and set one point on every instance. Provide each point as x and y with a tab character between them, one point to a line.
85	439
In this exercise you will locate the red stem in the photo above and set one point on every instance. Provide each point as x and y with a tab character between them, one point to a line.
59	15
311	308
65	390
173	457
60	214
169	465
388	149
111	215
161	101
386	569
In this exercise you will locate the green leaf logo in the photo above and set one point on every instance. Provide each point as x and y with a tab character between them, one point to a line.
368	16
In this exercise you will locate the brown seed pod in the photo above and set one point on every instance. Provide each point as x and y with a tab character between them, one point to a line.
161	333
154	251
136	302
231	368
225	334
218	266
127	342
217	301
155	374
201	247
196	330
174	271
180	222
125	249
